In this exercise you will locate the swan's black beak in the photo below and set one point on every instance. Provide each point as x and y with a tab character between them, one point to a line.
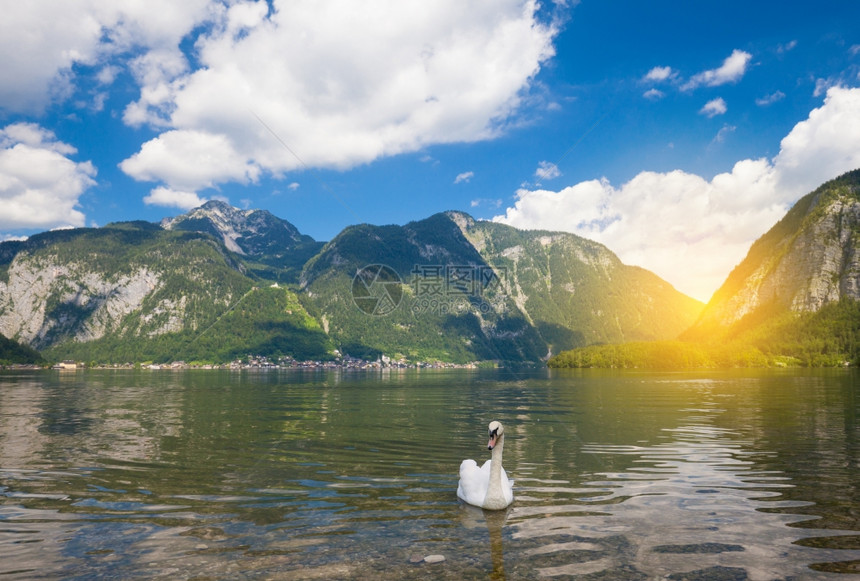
493	437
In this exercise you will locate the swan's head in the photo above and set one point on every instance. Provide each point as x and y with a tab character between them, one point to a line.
496	430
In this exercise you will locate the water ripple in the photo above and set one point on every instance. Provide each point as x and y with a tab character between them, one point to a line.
699	494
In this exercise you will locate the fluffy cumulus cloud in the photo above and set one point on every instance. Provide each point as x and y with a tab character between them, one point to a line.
547	171
162	196
189	160
39	183
824	145
45	43
691	230
685	228
333	84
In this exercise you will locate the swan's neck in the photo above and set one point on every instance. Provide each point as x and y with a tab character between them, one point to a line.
495	495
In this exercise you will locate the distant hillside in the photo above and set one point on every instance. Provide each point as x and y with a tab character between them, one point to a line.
794	299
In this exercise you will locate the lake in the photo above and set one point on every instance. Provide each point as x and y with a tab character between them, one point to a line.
295	474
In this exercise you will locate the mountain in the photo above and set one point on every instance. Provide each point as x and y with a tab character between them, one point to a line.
245	232
575	291
480	290
273	248
419	291
136	292
808	260
200	287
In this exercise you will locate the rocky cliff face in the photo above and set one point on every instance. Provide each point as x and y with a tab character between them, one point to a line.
274	248
245	232
810	258
88	284
44	300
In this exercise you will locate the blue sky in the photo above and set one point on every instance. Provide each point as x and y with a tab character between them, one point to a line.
674	133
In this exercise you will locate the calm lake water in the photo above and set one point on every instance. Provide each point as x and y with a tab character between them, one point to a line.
353	475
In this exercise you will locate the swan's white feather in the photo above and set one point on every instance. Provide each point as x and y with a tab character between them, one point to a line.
475	481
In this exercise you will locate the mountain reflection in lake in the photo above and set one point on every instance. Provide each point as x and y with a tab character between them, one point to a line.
330	475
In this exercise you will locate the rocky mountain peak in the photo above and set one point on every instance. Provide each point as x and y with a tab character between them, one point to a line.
246	232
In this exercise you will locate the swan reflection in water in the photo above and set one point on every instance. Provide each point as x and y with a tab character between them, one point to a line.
473	517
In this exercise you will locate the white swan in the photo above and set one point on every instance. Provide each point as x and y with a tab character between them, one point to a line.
487	486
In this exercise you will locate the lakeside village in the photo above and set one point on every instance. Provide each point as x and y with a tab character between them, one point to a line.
259	362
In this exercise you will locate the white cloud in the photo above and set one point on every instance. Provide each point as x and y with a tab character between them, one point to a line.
731	71
653	94
9	237
41	42
724	132
547	171
189	160
847	76
824	145
39	184
659	74
690	230
464	177
107	74
770	99
823	85
157	73
162	196
338	84
714	107
33	136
